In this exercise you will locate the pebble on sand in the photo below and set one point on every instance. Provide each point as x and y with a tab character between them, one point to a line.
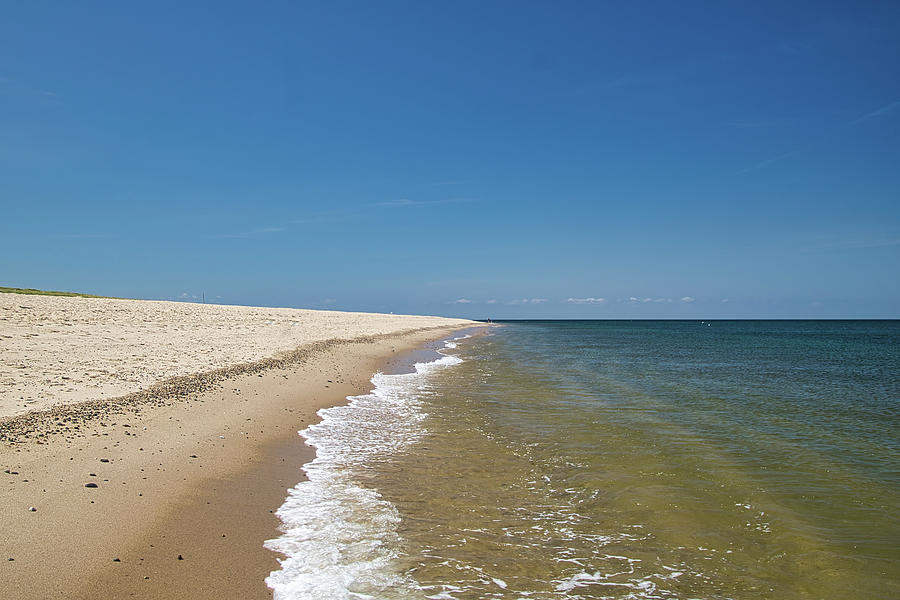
90	485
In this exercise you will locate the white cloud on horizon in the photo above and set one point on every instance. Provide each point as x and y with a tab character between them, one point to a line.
462	301
585	300
687	299
648	300
528	301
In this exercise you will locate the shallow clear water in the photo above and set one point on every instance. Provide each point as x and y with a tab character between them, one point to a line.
607	459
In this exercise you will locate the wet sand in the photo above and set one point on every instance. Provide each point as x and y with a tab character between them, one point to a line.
187	481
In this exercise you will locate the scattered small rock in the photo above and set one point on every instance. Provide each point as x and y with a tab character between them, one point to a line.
90	485
10	559
104	460
116	560
193	456
32	509
180	557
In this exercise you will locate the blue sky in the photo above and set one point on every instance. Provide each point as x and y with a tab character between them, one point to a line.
502	159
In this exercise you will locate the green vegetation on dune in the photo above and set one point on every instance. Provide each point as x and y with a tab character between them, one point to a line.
13	290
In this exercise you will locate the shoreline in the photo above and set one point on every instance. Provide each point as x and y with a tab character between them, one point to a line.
198	478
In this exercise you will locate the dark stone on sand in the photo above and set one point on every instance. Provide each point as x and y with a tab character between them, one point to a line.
91	485
10	559
116	560
104	460
180	557
193	456
33	424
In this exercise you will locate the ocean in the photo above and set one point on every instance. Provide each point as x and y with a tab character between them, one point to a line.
611	459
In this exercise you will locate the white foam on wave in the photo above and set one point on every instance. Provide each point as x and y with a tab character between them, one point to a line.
339	537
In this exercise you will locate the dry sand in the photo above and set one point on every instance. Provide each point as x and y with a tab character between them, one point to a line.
64	350
191	468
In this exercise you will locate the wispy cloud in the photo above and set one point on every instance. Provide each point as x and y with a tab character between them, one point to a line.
462	301
585	300
459	281
677	73
406	202
313	220
687	299
884	111
492	301
78	236
793	47
26	92
251	233
856	243
528	301
770	161
629	80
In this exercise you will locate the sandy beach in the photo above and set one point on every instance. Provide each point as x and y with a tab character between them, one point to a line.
146	445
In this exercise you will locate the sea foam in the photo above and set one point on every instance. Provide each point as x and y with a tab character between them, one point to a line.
339	538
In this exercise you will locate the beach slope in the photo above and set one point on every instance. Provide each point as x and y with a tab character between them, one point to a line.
145	445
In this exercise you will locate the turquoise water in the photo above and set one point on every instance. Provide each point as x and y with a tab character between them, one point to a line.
610	459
